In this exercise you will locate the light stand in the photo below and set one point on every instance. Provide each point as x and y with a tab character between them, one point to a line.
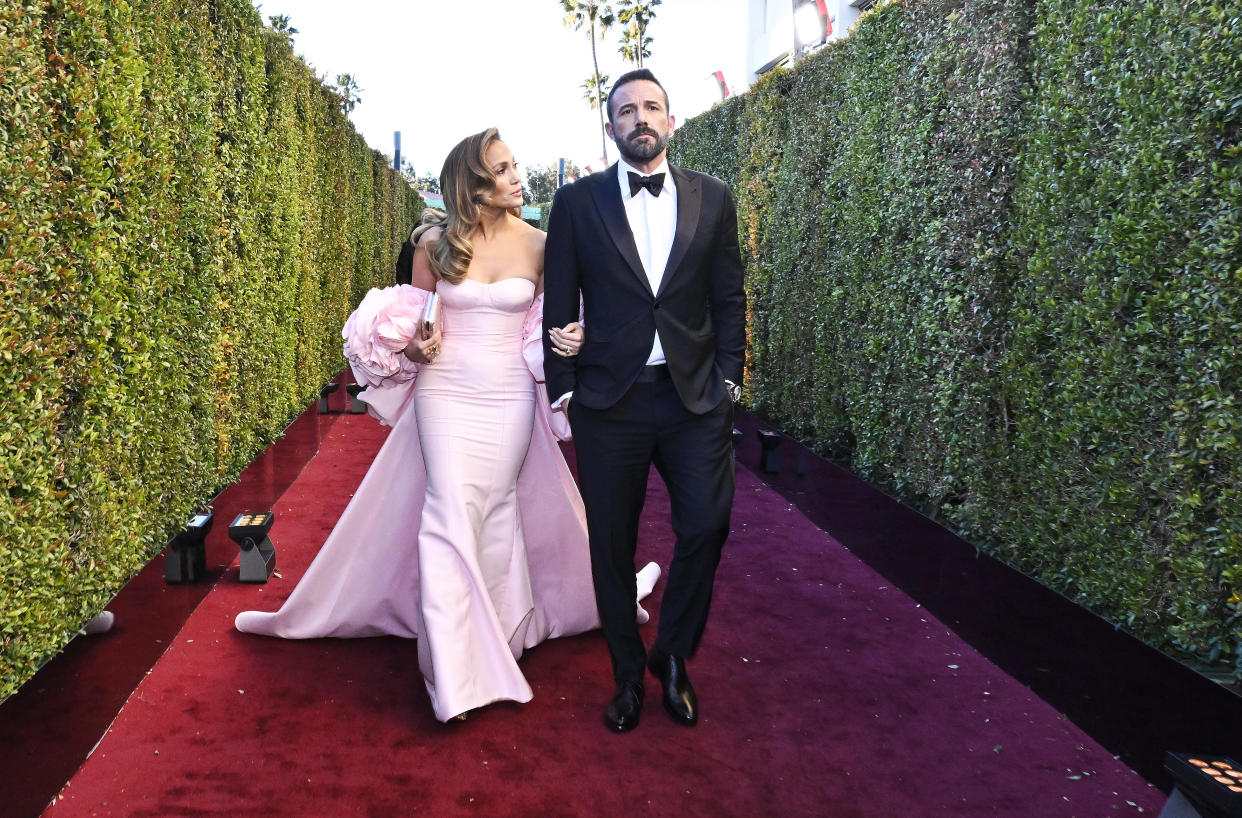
325	407
258	553
1208	786
356	406
187	556
769	455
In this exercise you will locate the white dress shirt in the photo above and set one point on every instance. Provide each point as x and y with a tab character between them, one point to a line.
653	221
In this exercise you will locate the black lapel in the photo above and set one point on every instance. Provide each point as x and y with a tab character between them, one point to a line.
607	194
689	202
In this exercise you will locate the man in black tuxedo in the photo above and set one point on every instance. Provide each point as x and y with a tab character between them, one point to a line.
652	250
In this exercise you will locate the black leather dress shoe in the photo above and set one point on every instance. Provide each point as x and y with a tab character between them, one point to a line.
625	707
675	690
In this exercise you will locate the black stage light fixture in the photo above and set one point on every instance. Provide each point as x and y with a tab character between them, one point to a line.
258	554
325	407
1207	786
356	406
769	455
186	560
737	441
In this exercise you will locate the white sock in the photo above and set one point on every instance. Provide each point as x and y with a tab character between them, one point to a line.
646	579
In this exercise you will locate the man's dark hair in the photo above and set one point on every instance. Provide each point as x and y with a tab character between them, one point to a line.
633	76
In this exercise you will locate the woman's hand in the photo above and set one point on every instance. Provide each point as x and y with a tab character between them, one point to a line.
567	341
424	350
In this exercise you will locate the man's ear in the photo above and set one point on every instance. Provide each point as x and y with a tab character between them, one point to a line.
608	130
672	124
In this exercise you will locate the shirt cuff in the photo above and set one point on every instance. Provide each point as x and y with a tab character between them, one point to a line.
560	402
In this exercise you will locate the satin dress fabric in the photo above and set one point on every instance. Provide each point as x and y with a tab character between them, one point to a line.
467	532
476	410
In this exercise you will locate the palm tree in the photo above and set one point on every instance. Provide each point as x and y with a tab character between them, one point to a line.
347	87
281	25
591	14
633	46
635	15
591	89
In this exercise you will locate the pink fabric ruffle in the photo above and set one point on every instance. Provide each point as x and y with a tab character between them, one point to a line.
532	352
532	338
376	333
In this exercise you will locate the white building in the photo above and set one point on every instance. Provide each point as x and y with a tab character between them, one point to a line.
773	38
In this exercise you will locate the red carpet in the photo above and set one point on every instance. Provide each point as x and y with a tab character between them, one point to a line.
824	692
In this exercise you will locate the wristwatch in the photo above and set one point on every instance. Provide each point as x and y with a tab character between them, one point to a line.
735	391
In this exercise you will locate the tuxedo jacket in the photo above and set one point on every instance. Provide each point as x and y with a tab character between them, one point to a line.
699	310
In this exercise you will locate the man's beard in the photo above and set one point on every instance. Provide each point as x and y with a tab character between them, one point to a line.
641	151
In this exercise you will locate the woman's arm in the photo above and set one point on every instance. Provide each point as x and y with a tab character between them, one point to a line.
537	240
424	276
423	350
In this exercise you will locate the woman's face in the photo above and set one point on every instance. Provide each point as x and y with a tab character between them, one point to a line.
508	190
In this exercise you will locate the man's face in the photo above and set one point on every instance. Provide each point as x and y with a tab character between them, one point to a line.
640	122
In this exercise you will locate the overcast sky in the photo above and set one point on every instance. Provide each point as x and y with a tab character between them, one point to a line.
439	70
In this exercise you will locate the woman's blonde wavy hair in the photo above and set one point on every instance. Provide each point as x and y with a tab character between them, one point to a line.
466	183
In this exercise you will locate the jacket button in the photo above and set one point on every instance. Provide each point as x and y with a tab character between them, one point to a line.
656	307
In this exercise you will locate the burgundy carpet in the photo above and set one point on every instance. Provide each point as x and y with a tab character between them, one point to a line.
50	724
824	692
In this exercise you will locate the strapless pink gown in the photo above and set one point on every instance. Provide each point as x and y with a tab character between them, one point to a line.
468	531
476	407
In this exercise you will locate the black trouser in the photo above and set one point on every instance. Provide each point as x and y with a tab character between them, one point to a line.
693	453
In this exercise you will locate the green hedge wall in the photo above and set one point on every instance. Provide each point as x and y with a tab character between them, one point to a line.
995	267
1122	375
186	218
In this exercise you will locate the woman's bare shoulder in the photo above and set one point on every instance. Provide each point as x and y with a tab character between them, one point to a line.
533	236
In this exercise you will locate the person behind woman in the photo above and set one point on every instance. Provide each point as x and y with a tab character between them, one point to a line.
405	258
468	531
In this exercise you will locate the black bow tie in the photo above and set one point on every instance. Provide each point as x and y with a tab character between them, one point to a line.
653	183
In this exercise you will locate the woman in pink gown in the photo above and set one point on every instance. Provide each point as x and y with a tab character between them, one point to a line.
467	532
